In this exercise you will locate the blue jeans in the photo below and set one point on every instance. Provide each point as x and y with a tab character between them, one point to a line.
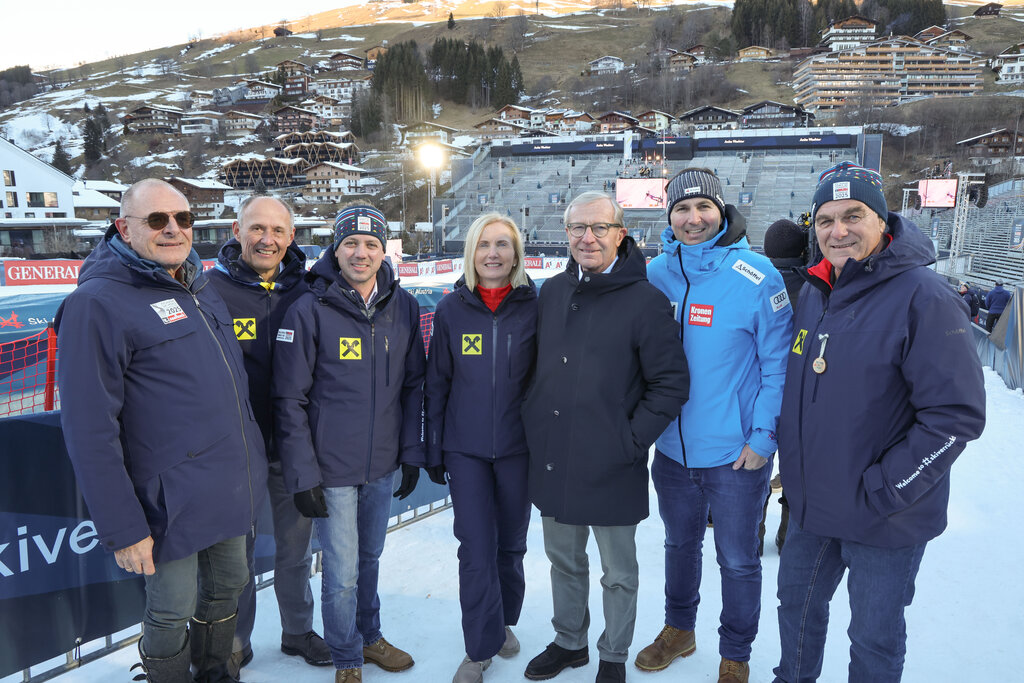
205	585
881	585
352	538
736	499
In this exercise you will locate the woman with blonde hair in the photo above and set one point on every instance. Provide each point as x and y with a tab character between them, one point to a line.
481	359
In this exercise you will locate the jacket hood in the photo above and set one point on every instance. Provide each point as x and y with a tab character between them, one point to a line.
325	280
630	267
229	260
112	259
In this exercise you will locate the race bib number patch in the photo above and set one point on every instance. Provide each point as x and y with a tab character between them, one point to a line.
701	314
748	271
284	335
780	301
169	311
472	344
245	329
351	348
798	343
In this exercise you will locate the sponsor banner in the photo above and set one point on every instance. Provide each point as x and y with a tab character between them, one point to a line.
444	266
532	262
427	268
553	262
408	269
50	272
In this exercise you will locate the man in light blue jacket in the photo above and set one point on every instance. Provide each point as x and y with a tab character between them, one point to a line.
735	321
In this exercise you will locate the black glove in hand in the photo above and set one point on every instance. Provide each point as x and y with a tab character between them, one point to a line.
436	474
410	475
311	503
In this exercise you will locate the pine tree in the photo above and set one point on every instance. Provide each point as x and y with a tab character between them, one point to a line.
451	21
60	160
93	142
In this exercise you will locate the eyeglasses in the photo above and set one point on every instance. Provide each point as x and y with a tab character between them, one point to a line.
599	229
158	220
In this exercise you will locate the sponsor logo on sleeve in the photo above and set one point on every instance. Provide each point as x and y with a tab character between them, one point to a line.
701	314
169	311
798	343
780	301
284	335
748	271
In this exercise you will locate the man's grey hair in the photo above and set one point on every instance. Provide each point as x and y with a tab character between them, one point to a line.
590	198
249	200
128	198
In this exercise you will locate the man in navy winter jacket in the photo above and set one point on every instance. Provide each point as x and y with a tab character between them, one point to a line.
348	393
883	391
735	320
159	428
260	273
995	302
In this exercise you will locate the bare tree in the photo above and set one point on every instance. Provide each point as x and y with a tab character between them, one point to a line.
518	27
498	9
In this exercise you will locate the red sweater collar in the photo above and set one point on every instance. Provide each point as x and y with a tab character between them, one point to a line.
823	269
492	298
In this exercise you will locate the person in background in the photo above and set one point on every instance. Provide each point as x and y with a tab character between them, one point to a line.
884	389
348	396
154	411
735	319
611	375
995	303
481	359
259	274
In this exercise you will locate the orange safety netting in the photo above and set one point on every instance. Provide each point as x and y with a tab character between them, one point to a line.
28	374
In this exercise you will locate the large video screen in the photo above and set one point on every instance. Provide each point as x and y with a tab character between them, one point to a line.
937	193
641	193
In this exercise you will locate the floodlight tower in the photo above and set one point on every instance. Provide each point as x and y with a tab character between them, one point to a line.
963	193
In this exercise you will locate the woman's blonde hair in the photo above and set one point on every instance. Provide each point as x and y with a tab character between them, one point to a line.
518	274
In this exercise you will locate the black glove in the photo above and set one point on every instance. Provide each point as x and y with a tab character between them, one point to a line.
410	475
311	503
436	474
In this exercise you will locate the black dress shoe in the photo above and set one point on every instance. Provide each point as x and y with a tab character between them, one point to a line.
309	646
611	672
550	663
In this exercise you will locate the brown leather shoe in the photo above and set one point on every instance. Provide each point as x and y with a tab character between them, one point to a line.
387	656
669	644
733	672
348	676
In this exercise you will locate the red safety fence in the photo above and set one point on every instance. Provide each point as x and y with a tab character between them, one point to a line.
28	374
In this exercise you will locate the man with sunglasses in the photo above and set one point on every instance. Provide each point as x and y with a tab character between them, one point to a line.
157	423
884	389
610	377
260	273
735	318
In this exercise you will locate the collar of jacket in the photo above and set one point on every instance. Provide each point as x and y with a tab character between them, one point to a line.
114	250
472	297
326	281
229	261
630	268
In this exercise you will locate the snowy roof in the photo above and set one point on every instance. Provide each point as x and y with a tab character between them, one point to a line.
105	185
236	113
984	135
201	183
92	199
341	167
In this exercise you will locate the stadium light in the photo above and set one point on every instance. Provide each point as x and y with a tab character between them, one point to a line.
432	157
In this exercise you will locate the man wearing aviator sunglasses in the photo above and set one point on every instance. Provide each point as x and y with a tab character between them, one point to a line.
157	423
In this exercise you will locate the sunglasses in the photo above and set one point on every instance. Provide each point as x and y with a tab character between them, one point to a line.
158	220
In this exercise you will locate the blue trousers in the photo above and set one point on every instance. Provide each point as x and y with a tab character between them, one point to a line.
736	500
492	514
881	585
205	585
352	538
293	560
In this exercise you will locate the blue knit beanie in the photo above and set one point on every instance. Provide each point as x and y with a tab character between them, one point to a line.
360	220
850	181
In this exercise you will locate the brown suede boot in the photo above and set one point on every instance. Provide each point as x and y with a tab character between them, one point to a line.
348	676
387	656
733	672
669	644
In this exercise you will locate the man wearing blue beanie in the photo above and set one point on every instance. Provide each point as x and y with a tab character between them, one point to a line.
883	391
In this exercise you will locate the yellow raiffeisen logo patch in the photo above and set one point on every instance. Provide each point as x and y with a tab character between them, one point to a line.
245	329
472	344
351	348
798	345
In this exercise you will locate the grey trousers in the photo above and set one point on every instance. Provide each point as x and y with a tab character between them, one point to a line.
292	564
566	548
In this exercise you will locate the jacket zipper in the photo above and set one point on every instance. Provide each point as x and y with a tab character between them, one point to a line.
238	405
800	412
494	386
373	399
682	330
387	362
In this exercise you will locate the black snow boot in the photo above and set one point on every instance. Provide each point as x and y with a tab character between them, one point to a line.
780	537
211	649
167	670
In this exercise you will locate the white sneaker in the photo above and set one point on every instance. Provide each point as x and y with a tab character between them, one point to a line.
511	646
470	671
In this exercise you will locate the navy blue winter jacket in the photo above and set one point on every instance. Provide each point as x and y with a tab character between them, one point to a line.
348	382
257	309
866	446
479	366
154	406
996	300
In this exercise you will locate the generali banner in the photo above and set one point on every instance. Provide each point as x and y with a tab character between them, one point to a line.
49	272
